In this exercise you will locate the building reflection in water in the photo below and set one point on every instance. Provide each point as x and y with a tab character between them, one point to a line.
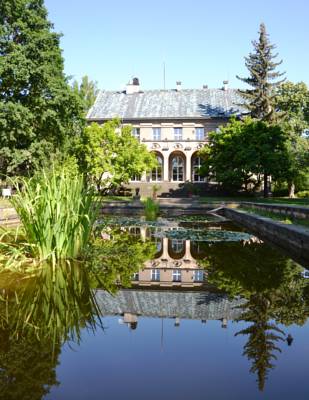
175	263
171	285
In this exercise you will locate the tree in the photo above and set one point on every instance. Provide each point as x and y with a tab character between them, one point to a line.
242	151
262	336
110	155
275	291
260	100
116	260
39	112
87	91
293	100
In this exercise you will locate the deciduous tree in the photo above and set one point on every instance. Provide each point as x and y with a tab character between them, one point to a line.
39	112
87	90
111	155
293	100
242	151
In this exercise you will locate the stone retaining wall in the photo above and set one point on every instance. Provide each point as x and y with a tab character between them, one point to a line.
294	239
282	209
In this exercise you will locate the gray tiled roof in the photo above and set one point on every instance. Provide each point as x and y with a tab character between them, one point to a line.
169	304
191	103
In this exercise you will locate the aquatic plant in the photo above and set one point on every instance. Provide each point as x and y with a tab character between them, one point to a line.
206	235
151	209
57	214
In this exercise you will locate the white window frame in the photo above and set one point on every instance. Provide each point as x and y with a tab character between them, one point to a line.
198	275
156	134
155	275
176	274
200	133
178	133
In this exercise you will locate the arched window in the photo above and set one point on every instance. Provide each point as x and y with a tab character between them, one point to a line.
176	248
157	173
196	165
177	166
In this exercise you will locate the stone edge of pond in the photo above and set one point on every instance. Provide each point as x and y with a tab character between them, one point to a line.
289	210
8	216
291	238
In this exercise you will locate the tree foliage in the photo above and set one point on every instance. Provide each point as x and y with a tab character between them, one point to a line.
111	155
39	112
275	293
242	151
87	91
260	99
293	100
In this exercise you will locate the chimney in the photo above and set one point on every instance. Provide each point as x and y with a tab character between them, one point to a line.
178	86
205	86
133	86
225	83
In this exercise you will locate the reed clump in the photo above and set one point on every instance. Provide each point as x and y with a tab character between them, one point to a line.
151	209
57	214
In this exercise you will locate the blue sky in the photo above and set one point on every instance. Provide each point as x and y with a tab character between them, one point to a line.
200	41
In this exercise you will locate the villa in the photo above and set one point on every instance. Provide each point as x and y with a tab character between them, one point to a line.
173	123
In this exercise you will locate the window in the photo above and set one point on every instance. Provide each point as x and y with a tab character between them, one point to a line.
155	275
177	245
178	168
136	178
199	133
156	134
178	133
157	173
198	275
176	275
196	166
135	276
136	132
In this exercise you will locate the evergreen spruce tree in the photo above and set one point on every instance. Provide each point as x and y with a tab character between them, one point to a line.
260	98
39	111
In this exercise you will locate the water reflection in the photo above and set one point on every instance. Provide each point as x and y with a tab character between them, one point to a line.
38	313
265	290
137	272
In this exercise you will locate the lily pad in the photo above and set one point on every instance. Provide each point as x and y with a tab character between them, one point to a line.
211	236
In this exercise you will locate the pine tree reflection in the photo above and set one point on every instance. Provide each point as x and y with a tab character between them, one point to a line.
275	291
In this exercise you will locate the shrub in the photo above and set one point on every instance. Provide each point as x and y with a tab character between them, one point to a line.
304	194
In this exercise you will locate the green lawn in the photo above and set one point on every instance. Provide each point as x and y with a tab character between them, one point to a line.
274	200
114	198
278	217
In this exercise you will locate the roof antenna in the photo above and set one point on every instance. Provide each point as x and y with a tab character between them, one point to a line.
164	75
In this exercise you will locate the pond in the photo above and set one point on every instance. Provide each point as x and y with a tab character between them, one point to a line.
191	307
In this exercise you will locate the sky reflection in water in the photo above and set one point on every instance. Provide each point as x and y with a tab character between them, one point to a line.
217	334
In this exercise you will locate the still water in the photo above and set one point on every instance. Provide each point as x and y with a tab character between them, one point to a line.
175	309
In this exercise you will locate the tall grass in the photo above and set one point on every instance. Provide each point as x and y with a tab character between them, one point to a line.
57	215
151	209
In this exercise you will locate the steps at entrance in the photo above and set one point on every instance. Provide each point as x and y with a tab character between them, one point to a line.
172	189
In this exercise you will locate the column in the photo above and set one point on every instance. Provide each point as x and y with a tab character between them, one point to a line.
187	255
144	177
165	168
188	167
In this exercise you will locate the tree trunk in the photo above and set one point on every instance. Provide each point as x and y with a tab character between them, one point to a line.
266	188
291	190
